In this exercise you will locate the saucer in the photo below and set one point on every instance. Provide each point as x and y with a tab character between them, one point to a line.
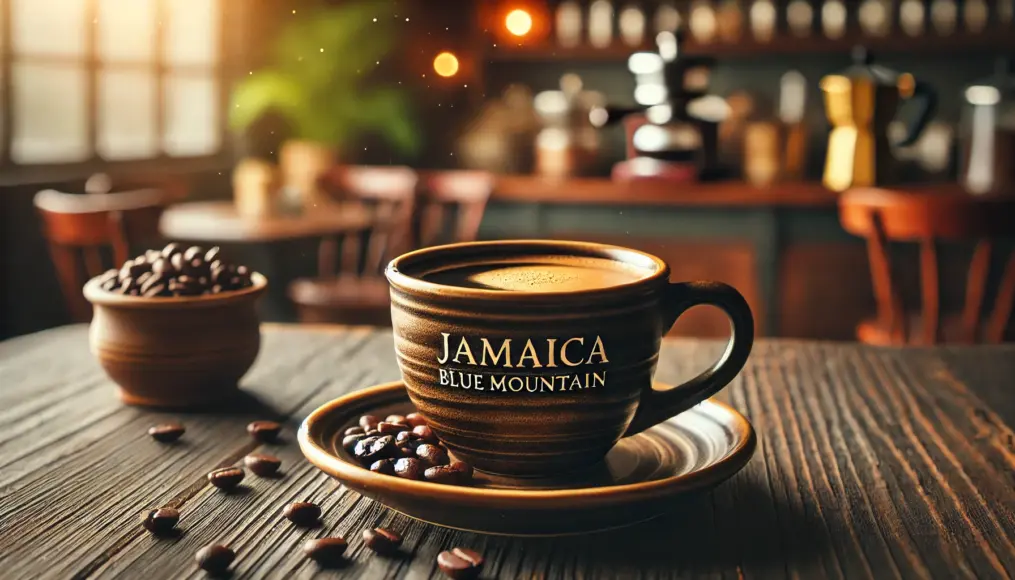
642	477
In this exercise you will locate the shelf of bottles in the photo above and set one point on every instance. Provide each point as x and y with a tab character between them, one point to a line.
613	29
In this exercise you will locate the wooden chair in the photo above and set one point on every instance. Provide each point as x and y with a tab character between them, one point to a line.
90	233
928	216
350	287
451	206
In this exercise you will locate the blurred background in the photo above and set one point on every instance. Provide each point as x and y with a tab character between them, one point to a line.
842	163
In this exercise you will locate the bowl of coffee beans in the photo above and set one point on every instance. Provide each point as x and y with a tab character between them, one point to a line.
176	327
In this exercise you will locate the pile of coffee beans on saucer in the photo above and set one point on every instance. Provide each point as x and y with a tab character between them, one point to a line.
404	446
176	271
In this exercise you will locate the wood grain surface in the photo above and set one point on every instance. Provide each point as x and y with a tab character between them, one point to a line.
883	463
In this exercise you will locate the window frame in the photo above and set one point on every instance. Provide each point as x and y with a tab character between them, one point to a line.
225	71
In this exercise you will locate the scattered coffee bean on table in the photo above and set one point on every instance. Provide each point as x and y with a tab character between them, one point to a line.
262	464
460	563
326	551
303	514
166	432
215	558
382	540
264	431
226	478
175	271
161	521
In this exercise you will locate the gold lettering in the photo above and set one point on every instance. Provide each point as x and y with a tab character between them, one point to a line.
505	350
547	383
516	382
463	348
497	383
529	352
563	351
550	343
598	380
598	349
446	353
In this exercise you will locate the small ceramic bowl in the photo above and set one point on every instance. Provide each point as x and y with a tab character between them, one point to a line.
182	352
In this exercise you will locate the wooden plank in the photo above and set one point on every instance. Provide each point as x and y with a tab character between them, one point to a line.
871	463
116	471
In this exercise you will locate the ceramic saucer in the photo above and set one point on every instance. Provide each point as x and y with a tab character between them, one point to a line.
641	477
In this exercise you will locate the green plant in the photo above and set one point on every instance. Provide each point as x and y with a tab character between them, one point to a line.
318	79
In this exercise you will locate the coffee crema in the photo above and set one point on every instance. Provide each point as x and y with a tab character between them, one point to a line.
549	273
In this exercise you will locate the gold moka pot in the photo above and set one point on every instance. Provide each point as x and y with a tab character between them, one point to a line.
860	103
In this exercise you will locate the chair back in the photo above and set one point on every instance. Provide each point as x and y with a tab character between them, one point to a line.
927	217
451	206
90	233
388	193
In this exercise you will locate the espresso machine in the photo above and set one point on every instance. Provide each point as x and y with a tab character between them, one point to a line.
673	131
860	103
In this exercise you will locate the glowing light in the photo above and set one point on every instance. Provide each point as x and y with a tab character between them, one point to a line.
445	64
518	22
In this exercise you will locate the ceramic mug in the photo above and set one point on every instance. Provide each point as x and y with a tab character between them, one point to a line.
530	358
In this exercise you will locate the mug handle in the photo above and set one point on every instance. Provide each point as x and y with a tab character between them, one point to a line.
658	406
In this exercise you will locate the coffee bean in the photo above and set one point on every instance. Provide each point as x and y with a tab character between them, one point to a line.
373	433
193	252
326	551
143	279
355	431
162	266
425	433
383	448
226	478
166	432
457	473
407	451
460	563
303	513
409	468
156	290
405	437
362	448
368	422
395	419
170	249
349	441
262	464
382	540
385	466
432	455
177	262
264	431
415	419
212	255
161	521
214	558
391	428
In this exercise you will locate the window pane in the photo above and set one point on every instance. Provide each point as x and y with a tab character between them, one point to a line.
127	115
126	30
192	32
49	114
192	118
50	27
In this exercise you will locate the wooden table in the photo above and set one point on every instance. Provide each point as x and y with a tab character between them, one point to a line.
871	463
218	222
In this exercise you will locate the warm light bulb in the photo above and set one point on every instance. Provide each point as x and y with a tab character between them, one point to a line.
445	64
518	22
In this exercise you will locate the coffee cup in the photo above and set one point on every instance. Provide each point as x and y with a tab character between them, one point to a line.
531	358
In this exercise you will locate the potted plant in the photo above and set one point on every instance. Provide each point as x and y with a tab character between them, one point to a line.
318	80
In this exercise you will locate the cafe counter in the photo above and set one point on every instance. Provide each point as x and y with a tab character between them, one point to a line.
782	246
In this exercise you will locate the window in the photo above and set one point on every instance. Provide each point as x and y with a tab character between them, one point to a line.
110	80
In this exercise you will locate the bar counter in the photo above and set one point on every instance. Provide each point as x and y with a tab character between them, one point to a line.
781	246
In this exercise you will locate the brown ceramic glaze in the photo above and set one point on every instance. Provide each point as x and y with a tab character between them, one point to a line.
642	477
176	352
576	374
